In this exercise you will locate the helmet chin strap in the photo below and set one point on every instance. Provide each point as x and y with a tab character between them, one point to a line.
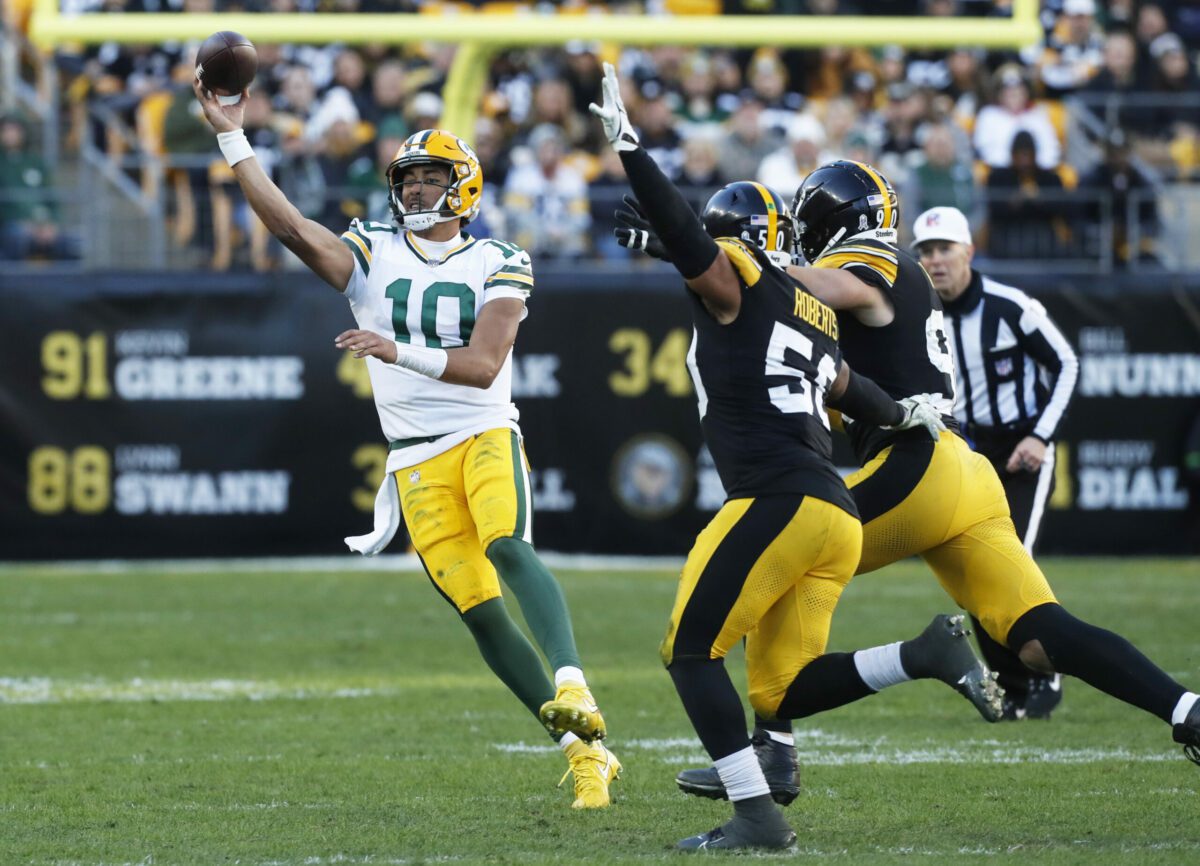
779	258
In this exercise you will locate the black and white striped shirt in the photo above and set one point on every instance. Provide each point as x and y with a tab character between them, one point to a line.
1016	371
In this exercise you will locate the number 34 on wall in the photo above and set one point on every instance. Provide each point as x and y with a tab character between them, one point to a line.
644	365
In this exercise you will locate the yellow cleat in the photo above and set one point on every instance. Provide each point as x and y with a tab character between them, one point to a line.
573	711
595	768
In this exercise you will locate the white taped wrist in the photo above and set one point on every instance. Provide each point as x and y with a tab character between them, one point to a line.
234	146
422	359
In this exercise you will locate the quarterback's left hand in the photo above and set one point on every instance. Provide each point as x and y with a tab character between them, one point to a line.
363	343
612	113
919	411
1029	455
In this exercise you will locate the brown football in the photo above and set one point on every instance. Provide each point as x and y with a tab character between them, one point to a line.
226	63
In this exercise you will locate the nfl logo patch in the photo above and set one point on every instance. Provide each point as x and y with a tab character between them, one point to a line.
414	476
1004	367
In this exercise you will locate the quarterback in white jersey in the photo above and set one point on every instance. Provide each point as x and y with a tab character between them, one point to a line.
429	294
437	314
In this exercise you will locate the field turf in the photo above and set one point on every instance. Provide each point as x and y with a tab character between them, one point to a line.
151	716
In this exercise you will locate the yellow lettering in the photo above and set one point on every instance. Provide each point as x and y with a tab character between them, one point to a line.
818	315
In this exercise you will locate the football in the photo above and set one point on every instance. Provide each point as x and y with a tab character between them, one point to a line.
226	63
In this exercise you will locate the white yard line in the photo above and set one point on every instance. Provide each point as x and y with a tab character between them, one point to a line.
349	562
45	690
818	748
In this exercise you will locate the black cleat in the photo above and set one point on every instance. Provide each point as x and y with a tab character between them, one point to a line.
1041	696
1045	693
778	762
942	652
1188	734
742	833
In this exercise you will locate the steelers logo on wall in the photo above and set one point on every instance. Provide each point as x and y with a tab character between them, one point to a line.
651	476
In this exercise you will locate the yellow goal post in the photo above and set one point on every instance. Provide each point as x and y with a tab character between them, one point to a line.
480	35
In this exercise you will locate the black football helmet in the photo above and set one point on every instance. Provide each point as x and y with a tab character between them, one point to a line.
839	200
753	213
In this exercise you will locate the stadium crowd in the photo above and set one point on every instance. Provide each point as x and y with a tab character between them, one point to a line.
994	133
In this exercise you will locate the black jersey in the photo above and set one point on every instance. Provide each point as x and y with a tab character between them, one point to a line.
761	382
908	356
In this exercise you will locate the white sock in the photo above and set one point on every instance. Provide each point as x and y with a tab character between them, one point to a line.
786	739
567	739
1184	707
880	666
569	675
742	776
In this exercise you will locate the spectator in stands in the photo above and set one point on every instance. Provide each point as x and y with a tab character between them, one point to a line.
583	73
727	81
1109	94
834	67
547	200
1014	112
28	212
552	103
1152	23
768	80
424	110
387	95
746	142
965	85
906	110
941	178
656	128
350	74
698	109
1131	194
841	121
1074	50
699	176
786	168
1025	206
893	66
605	192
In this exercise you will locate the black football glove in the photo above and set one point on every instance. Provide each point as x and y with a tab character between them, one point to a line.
636	233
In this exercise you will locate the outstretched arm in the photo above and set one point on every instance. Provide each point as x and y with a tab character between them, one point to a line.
695	255
317	246
863	400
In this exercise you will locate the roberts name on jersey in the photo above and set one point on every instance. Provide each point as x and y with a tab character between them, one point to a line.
399	291
761	382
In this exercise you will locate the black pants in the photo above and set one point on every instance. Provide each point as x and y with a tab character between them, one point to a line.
1027	492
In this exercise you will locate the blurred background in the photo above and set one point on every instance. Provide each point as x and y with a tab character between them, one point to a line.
170	385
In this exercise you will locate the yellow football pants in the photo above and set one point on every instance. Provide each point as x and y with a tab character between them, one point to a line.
944	502
458	503
771	570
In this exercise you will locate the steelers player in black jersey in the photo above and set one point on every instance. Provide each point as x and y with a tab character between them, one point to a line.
941	500
772	564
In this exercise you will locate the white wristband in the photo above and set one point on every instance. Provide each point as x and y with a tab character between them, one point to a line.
235	146
422	359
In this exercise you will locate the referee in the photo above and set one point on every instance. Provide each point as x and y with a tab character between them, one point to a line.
1016	374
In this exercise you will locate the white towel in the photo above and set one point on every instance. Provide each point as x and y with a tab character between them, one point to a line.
387	520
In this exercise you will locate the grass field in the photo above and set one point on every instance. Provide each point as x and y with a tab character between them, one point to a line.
323	718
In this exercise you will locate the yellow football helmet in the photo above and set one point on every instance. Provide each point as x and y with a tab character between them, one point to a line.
462	196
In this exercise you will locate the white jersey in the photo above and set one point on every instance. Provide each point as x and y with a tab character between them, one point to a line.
398	291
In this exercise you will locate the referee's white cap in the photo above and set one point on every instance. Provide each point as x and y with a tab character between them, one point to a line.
942	224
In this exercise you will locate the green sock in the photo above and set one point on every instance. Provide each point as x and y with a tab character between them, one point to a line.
540	597
509	654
